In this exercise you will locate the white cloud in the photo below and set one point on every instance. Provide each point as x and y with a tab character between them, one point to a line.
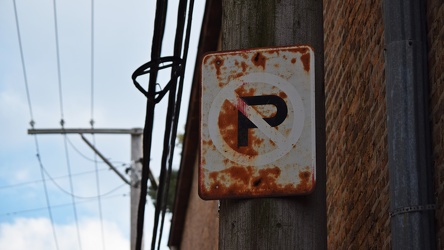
37	234
21	175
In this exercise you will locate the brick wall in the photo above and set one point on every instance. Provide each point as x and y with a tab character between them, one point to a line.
435	36
357	170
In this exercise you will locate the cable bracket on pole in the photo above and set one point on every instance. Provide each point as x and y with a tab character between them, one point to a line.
411	209
175	63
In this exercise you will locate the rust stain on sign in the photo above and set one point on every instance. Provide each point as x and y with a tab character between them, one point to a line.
237	181
259	60
305	58
257	123
218	63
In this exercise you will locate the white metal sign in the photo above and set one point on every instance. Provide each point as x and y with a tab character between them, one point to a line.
257	123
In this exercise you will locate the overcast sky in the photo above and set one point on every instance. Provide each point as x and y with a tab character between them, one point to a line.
122	42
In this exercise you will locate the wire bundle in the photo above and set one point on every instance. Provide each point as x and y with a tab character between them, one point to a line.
177	63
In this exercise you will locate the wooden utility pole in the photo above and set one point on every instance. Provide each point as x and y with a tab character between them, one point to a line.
278	223
136	173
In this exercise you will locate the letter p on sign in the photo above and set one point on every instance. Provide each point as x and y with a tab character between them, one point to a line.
257	123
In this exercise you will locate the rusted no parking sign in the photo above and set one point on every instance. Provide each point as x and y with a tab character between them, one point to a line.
257	123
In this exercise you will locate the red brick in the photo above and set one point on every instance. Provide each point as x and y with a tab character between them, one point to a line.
357	158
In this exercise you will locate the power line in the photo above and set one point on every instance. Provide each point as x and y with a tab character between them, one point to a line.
57	206
177	64
90	159
62	122
171	119
68	164
59	76
179	39
92	63
23	63
48	204
54	178
45	188
71	193
44	172
99	201
159	27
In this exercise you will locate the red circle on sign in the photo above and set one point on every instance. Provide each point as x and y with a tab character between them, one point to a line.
222	119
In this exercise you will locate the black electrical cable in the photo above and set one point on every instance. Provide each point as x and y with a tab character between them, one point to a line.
176	105
164	173
177	111
177	65
159	29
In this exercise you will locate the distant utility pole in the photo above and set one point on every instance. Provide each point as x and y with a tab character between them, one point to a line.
278	223
136	174
136	167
